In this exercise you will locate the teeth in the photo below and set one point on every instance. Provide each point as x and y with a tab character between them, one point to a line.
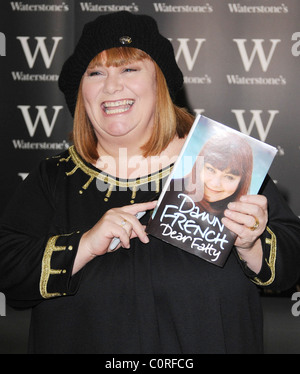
115	107
118	103
115	111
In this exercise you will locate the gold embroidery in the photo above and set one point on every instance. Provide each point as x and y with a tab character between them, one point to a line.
72	171
88	183
272	259
111	181
64	159
46	266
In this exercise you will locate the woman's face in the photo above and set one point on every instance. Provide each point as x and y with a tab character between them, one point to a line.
218	184
120	101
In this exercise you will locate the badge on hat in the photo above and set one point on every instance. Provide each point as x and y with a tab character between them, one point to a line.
125	40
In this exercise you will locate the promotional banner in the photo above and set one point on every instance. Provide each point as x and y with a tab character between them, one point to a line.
240	60
241	67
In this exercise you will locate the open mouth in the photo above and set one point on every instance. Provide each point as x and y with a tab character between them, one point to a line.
116	107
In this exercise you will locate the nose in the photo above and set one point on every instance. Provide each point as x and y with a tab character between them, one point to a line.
112	84
215	181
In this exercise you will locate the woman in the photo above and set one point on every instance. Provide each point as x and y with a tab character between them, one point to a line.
225	175
145	296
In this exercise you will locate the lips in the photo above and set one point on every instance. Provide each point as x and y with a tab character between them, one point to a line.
117	107
212	191
212	195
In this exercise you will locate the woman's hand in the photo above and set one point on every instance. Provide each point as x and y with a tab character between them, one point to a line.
119	223
248	218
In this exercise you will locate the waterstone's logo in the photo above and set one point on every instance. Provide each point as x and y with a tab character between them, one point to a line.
19	6
255	121
2	44
2	305
42	118
187	54
261	50
88	6
184	8
41	50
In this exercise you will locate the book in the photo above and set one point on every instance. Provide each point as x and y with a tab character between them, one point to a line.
217	165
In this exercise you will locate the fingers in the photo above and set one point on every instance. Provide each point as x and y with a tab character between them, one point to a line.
122	235
120	223
248	211
139	207
126	225
129	227
247	218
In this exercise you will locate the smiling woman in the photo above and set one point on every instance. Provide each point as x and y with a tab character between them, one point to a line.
169	120
107	89
144	295
226	173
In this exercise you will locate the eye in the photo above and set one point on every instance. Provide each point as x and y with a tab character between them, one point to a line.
94	73
231	177
209	169
129	70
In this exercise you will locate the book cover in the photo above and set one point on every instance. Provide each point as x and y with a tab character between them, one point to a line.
216	165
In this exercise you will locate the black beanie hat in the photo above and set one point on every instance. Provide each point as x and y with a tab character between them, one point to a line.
120	29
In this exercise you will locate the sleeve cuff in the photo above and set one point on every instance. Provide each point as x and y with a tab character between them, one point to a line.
266	276
57	264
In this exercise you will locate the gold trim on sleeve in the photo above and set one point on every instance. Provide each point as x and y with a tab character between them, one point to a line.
272	242
46	267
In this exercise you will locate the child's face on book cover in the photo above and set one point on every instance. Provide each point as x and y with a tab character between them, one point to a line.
218	184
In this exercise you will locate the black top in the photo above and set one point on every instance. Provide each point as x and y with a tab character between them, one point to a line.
152	298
